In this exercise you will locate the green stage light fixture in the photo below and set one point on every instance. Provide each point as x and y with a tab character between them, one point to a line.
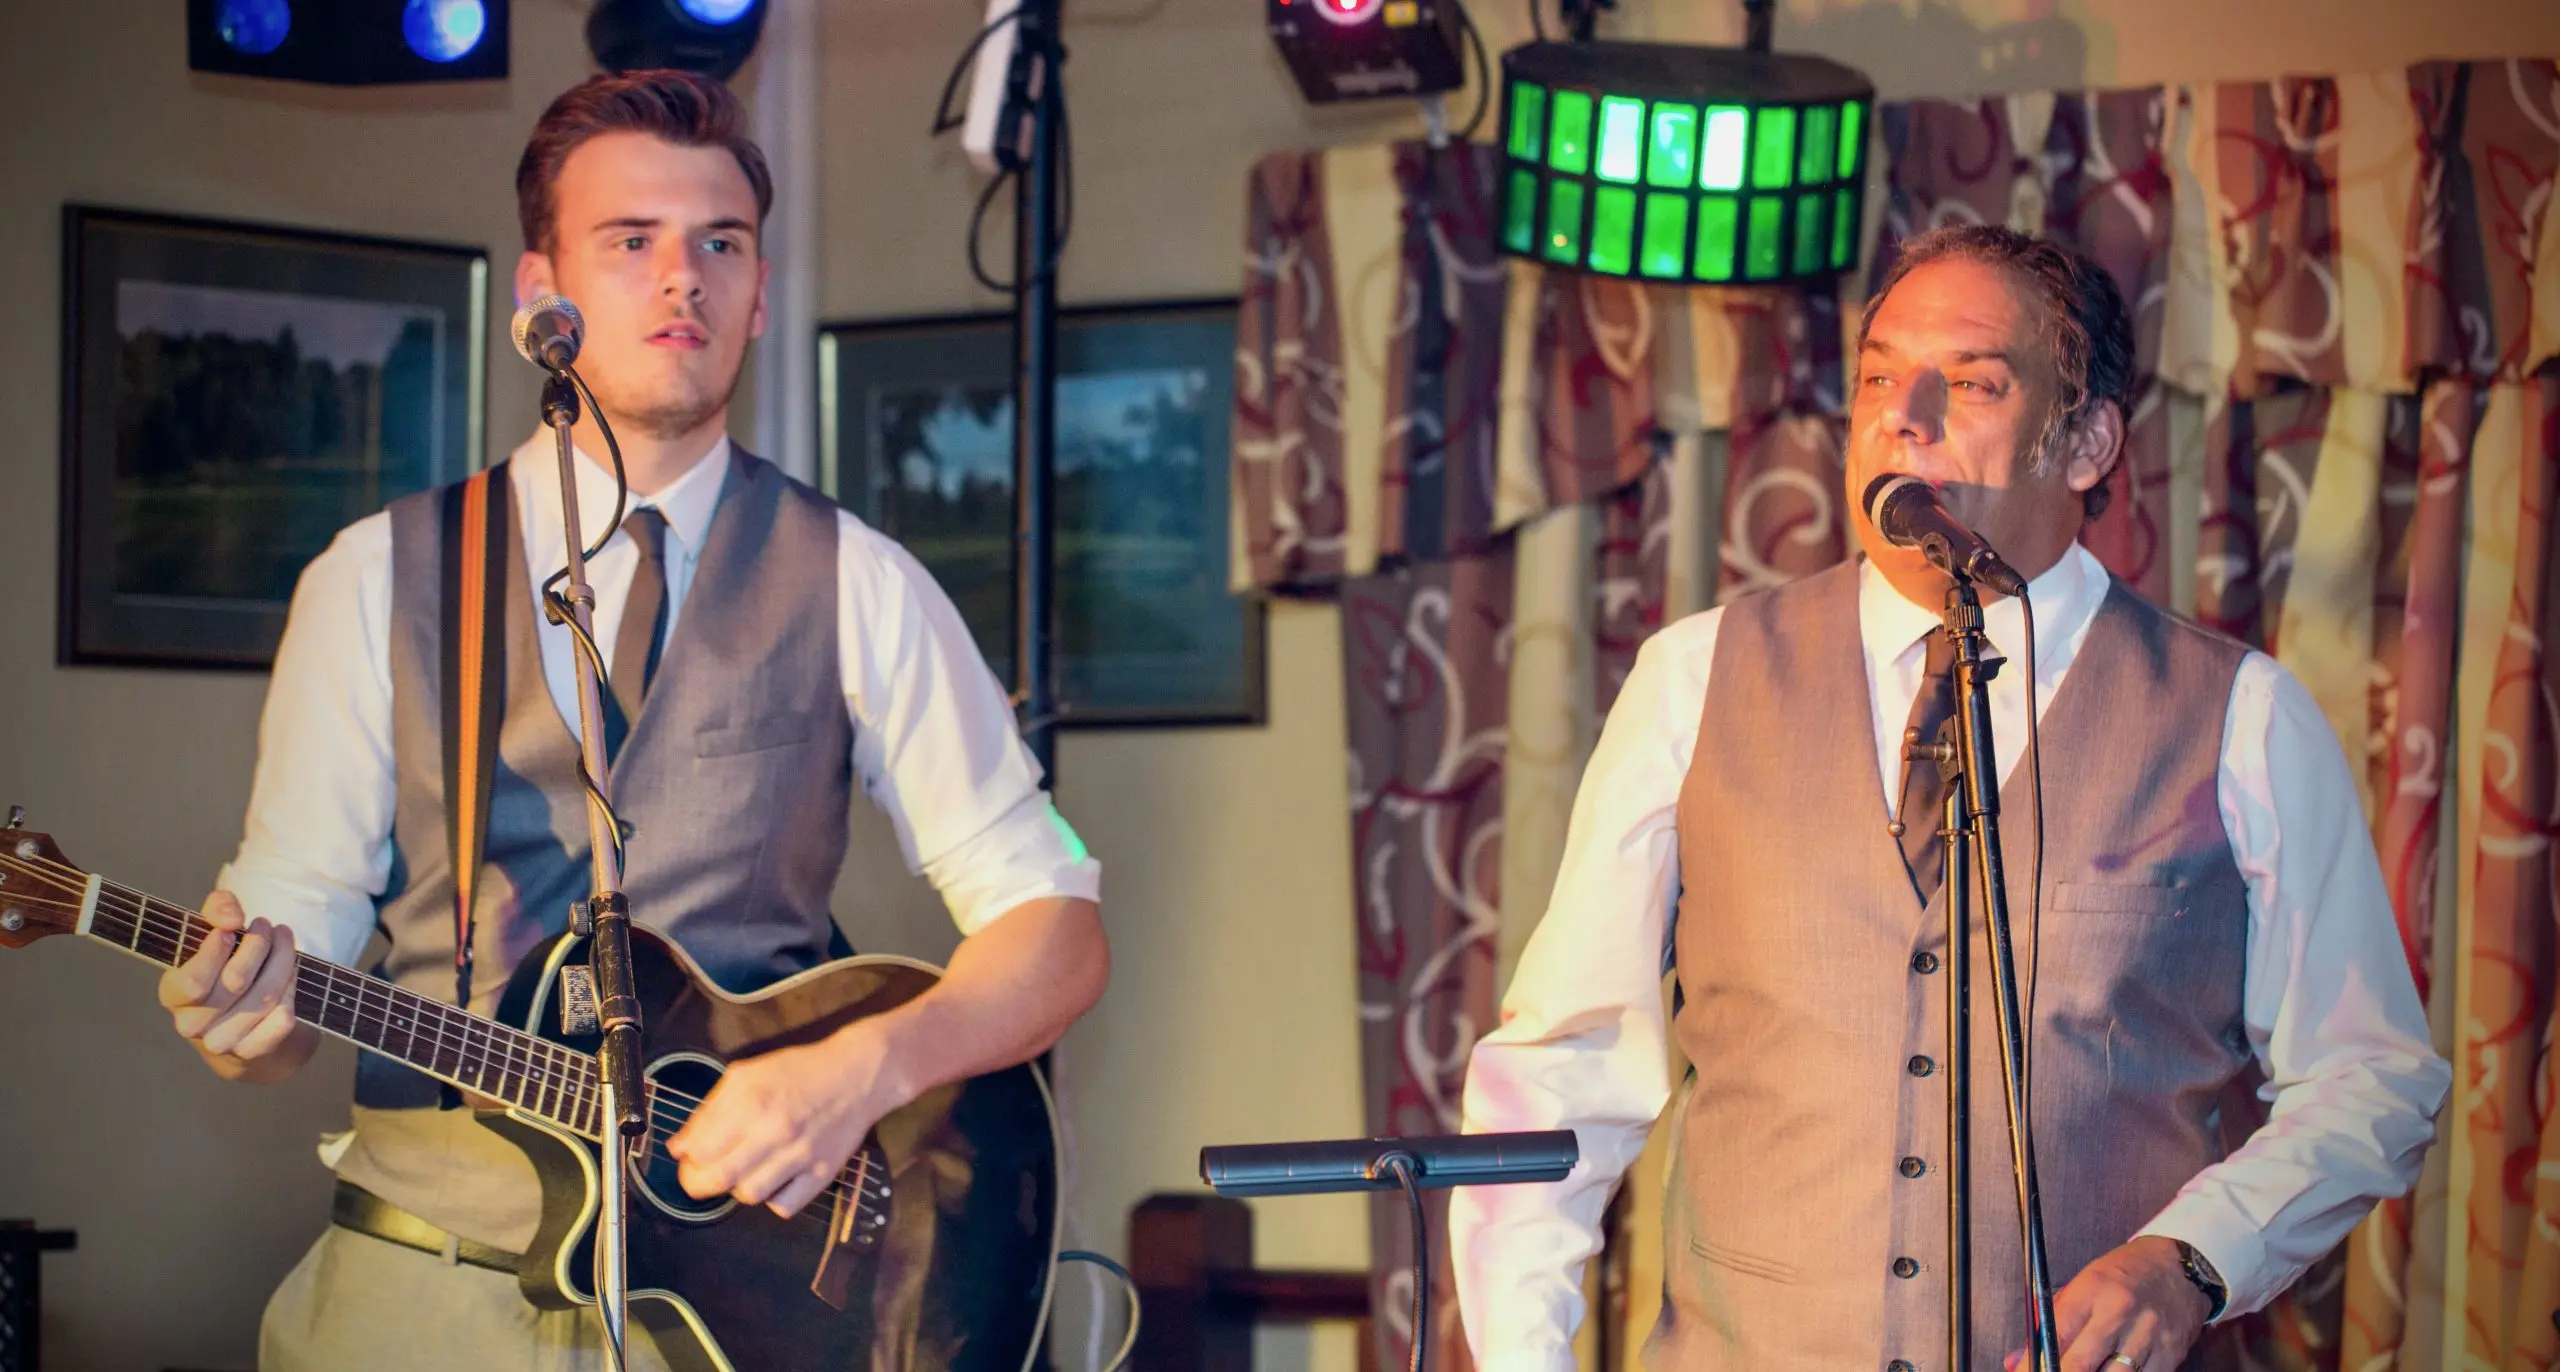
1683	165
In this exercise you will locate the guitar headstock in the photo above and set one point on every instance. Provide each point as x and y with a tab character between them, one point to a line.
40	891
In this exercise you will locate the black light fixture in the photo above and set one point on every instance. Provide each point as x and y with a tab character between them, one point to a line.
350	42
1681	164
1366	49
712	37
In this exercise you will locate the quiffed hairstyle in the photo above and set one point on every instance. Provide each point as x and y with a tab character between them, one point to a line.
2087	331
677	107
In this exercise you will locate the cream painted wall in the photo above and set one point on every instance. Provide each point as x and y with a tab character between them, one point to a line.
1231	1015
191	1198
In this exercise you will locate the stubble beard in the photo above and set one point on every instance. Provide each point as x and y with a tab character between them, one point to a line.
670	410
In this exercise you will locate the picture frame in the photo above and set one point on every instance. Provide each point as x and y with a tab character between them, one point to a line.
233	394
916	438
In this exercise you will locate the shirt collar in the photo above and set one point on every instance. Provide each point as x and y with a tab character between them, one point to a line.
687	502
2066	596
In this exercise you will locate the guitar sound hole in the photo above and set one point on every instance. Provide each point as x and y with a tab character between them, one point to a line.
678	1084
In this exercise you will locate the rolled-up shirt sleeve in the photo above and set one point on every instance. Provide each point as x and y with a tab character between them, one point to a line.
2332	1012
936	746
316	848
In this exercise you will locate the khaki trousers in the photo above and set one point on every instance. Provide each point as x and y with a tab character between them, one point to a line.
355	1301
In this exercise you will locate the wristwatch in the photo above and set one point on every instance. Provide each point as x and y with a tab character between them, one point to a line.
2200	1271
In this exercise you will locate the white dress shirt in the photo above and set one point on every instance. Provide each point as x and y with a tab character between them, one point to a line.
2332	1013
934	741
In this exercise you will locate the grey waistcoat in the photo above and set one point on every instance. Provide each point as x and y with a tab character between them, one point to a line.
1806	1012
734	781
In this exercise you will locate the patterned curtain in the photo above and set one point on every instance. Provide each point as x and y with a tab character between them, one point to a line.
1407	399
2347	440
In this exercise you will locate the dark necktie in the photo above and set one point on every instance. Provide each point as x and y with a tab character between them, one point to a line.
1924	793
643	635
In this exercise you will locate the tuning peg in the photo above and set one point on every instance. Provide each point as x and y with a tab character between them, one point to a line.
17	817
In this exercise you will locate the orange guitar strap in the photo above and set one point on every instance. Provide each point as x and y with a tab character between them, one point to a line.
478	524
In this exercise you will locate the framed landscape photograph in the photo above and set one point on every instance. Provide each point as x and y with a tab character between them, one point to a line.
233	395
916	437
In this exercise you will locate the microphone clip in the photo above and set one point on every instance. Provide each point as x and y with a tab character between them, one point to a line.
560	400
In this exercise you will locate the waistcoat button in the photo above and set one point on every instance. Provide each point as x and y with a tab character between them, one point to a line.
1899	1365
1913	1167
1924	963
1921	1067
1905	1268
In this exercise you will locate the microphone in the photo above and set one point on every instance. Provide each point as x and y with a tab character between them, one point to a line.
1907	512
548	332
1298	1169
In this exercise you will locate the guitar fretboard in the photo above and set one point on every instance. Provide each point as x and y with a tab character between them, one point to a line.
443	1041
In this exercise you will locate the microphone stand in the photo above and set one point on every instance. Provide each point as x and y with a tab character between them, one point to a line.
604	919
1959	841
1972	831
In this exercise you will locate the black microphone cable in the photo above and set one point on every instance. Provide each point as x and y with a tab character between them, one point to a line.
2035	889
556	607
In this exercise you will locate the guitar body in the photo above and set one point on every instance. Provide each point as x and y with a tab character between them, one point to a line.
945	1263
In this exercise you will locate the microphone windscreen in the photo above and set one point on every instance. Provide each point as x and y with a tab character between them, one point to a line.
1881	489
564	321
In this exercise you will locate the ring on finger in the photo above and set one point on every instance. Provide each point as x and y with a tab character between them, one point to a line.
2126	1360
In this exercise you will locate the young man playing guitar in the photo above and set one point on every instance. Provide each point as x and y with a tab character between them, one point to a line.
766	650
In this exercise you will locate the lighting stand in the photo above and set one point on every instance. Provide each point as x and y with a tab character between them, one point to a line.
1967	761
1033	86
605	917
1582	17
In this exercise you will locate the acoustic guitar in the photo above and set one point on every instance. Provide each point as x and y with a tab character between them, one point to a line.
934	1248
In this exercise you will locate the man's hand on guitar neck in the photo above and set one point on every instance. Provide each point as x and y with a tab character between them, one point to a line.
234	999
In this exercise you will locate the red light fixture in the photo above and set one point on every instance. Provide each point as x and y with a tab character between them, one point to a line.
1368	49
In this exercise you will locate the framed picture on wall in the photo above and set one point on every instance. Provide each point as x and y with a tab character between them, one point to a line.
233	395
916	437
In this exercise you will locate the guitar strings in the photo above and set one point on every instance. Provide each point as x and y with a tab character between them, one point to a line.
138	909
678	1103
158	921
140	912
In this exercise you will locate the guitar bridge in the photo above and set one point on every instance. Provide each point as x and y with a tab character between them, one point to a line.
854	1229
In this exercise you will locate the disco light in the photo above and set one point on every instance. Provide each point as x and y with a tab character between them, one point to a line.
349	42
1679	164
712	37
1366	49
254	27
443	30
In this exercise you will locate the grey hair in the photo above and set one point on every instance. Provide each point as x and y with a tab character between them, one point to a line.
2087	329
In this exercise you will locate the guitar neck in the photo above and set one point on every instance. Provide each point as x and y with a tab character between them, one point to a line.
450	1044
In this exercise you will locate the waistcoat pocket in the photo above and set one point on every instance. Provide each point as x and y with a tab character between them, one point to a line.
2119	898
1747	1264
754	736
